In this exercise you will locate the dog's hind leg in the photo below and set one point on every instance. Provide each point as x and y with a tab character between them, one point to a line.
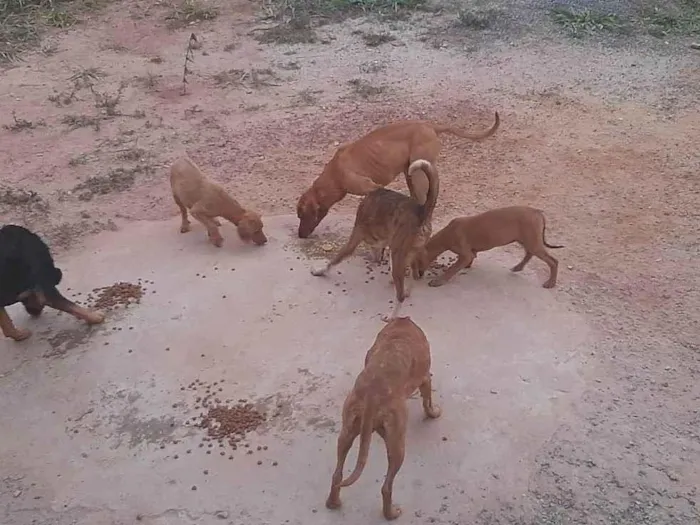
463	261
185	226
345	440
426	392
394	435
9	329
345	252
55	300
553	264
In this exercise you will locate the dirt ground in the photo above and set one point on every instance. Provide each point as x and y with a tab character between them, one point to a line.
601	132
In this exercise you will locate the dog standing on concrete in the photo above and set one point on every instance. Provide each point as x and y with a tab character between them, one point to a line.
207	200
373	161
396	365
28	275
466	236
389	218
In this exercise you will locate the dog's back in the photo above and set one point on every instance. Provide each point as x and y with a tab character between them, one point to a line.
384	212
25	263
396	364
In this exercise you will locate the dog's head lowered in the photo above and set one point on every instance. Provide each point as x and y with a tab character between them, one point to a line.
310	212
250	228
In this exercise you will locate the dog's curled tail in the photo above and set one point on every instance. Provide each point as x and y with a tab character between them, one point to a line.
365	439
544	240
471	136
433	186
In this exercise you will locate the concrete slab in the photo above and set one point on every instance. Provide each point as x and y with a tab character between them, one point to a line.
84	419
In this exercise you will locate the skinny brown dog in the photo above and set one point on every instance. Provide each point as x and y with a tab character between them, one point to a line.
389	218
466	236
207	200
396	365
373	161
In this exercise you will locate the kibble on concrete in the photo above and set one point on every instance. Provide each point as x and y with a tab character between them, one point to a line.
118	294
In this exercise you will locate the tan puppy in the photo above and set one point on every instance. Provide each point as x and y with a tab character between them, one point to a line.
396	365
207	200
389	218
374	161
466	236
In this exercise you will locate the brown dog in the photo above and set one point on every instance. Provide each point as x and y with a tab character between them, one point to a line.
374	161
389	218
466	236
207	200
396	365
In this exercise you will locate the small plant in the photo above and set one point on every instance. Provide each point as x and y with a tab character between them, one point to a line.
684	20
189	58
62	99
478	19
59	18
308	97
364	89
81	121
376	39
581	23
86	78
20	124
190	11
255	78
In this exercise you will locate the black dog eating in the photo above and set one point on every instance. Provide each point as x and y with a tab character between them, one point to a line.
28	275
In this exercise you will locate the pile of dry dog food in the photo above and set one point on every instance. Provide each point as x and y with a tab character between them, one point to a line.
118	294
223	420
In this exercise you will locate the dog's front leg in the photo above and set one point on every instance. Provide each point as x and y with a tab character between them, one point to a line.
55	300
210	224
9	329
461	263
394	439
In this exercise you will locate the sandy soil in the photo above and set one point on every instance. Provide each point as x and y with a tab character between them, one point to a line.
601	135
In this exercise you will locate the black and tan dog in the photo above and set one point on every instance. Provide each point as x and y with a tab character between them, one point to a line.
389	218
28	275
396	365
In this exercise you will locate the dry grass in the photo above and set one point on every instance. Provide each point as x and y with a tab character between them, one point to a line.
190	11
20	124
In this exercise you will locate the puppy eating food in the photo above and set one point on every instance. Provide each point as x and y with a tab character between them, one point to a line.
389	218
207	200
28	275
396	365
466	236
373	161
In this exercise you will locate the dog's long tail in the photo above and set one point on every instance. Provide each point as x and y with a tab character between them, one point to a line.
544	227
433	186
365	439
471	136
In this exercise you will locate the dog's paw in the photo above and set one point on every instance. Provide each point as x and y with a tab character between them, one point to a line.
217	241
185	228
433	412
21	335
435	283
548	284
96	318
319	272
332	503
217	222
392	513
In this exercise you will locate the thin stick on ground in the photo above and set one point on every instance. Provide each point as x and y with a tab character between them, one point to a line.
189	57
